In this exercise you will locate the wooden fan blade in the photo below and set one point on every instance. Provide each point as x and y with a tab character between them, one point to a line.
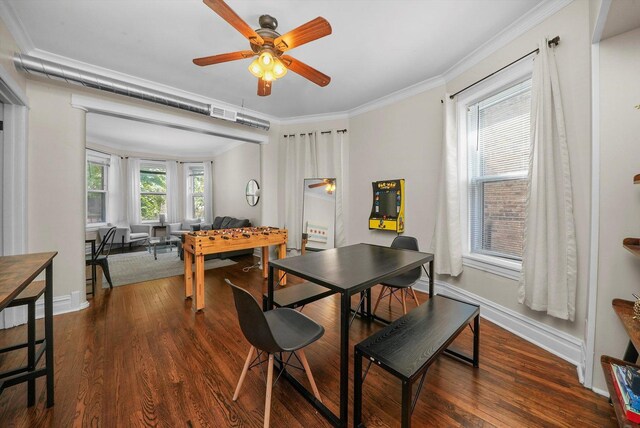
264	87
217	59
311	186
305	33
305	71
226	13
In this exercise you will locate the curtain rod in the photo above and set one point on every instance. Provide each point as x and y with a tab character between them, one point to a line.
555	41
339	131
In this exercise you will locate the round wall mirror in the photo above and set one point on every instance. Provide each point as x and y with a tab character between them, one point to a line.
252	192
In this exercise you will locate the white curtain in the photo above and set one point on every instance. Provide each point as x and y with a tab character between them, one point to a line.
446	244
330	160
312	155
133	183
208	192
549	265
117	191
173	192
299	163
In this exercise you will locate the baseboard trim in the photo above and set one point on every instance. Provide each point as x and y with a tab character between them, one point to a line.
11	317
559	343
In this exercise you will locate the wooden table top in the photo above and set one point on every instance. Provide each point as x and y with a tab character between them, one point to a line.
353	267
16	272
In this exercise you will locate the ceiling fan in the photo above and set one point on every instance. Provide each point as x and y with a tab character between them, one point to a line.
328	183
269	47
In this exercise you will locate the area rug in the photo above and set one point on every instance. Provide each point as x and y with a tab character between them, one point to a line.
139	266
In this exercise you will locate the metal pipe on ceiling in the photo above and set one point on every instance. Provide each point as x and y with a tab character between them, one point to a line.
55	71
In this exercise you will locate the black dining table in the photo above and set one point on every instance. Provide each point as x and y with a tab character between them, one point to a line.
346	270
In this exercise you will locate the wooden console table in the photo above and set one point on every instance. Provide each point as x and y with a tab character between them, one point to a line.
199	244
16	273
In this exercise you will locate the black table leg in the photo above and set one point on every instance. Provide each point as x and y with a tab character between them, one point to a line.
31	352
270	289
406	404
431	279
345	311
48	331
357	389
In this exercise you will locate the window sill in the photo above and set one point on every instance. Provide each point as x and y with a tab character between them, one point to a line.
505	268
95	226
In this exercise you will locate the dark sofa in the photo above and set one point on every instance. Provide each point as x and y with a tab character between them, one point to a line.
221	223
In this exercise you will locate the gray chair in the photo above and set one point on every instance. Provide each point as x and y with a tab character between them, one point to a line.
273	332
404	282
100	258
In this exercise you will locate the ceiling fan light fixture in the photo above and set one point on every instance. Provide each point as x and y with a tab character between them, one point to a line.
279	70
266	59
256	69
268	76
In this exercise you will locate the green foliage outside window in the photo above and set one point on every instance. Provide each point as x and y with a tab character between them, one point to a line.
153	192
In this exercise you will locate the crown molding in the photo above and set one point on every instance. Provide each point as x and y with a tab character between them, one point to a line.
519	27
313	118
16	28
393	97
522	25
90	68
396	96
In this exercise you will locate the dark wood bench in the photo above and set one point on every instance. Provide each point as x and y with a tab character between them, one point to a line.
407	347
297	295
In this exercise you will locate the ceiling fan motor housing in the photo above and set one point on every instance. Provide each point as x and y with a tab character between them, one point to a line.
267	31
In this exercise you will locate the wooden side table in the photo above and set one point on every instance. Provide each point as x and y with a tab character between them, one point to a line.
157	227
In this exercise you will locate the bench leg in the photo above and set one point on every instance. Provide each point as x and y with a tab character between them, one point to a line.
476	341
357	389
406	404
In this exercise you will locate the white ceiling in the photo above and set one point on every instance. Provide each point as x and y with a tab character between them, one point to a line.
132	136
377	46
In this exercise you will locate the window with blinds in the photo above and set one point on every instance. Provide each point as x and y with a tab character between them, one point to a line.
498	137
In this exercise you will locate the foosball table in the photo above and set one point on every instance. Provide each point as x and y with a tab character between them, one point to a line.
199	244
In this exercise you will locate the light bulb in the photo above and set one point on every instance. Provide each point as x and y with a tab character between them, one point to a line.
268	76
279	69
266	59
255	69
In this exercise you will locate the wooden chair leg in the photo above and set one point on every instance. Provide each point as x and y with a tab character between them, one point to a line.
403	292
267	401
245	369
307	369
379	298
414	296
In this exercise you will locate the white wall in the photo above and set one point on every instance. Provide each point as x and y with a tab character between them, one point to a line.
56	183
572	24
57	174
401	140
618	270
231	172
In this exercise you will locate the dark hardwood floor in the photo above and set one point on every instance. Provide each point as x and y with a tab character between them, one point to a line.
139	356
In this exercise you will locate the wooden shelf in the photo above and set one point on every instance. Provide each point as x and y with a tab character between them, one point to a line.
605	362
624	310
633	245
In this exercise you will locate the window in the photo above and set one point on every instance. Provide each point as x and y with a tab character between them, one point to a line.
97	168
498	146
153	191
196	192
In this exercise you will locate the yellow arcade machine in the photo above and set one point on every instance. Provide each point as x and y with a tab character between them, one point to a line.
387	212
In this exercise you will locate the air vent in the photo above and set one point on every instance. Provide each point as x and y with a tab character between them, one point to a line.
221	113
